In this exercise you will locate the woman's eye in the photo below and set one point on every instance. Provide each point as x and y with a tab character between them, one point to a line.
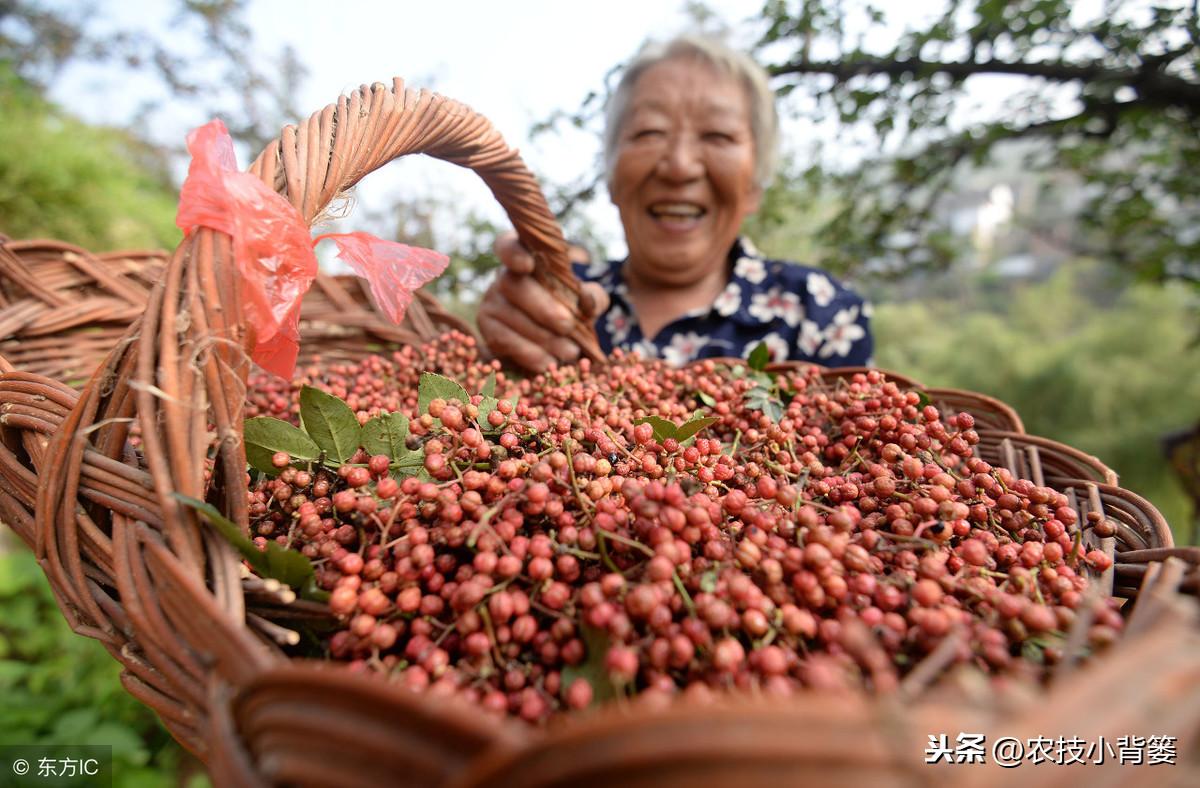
718	136
643	134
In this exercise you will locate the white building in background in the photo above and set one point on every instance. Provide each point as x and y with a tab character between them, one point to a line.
991	217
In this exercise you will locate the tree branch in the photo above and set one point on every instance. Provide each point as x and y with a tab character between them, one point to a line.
947	154
1193	24
1152	85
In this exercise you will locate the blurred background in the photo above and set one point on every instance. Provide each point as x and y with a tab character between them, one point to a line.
1013	184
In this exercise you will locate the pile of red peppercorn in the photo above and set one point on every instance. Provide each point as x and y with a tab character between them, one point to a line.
627	528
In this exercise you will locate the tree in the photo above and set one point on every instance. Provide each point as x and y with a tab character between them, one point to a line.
230	76
1113	99
60	178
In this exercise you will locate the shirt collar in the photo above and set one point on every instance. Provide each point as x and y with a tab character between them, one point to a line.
738	288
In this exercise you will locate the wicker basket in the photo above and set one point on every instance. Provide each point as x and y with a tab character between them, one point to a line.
340	322
1030	456
62	309
134	569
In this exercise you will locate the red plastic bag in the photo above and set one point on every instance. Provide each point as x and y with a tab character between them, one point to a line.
273	248
394	270
271	245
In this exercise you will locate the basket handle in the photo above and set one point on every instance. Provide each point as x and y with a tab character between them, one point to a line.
311	164
181	371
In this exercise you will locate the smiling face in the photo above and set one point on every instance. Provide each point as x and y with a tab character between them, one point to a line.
683	177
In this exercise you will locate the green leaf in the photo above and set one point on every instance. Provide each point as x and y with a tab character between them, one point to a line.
774	409
763	379
385	434
287	566
593	668
228	529
434	386
690	428
265	436
413	464
759	357
706	398
756	397
486	406
313	592
922	398
489	385
330	423
708	581
663	428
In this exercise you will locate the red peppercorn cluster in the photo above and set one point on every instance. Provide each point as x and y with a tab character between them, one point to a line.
558	551
378	384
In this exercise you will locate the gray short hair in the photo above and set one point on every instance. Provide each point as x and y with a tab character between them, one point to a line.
764	120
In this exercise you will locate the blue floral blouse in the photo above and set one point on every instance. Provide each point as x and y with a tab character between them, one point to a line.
801	313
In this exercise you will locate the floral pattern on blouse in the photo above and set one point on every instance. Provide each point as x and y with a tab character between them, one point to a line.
802	313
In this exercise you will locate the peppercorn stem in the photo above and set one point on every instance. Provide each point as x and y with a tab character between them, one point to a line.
683	592
604	556
626	541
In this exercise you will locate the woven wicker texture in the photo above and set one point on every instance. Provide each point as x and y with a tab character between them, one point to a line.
340	322
1030	456
1138	524
62	309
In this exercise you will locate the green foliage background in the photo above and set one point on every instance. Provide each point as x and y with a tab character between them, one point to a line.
60	178
60	688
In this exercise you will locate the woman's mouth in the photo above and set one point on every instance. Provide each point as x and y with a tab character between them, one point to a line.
676	215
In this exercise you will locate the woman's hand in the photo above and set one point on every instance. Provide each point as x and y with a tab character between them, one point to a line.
520	321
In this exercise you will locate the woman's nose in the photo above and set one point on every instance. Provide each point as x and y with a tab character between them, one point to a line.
681	159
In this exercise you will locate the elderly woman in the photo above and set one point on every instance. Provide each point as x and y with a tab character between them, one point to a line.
689	146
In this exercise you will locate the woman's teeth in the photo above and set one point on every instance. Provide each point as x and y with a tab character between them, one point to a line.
676	211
